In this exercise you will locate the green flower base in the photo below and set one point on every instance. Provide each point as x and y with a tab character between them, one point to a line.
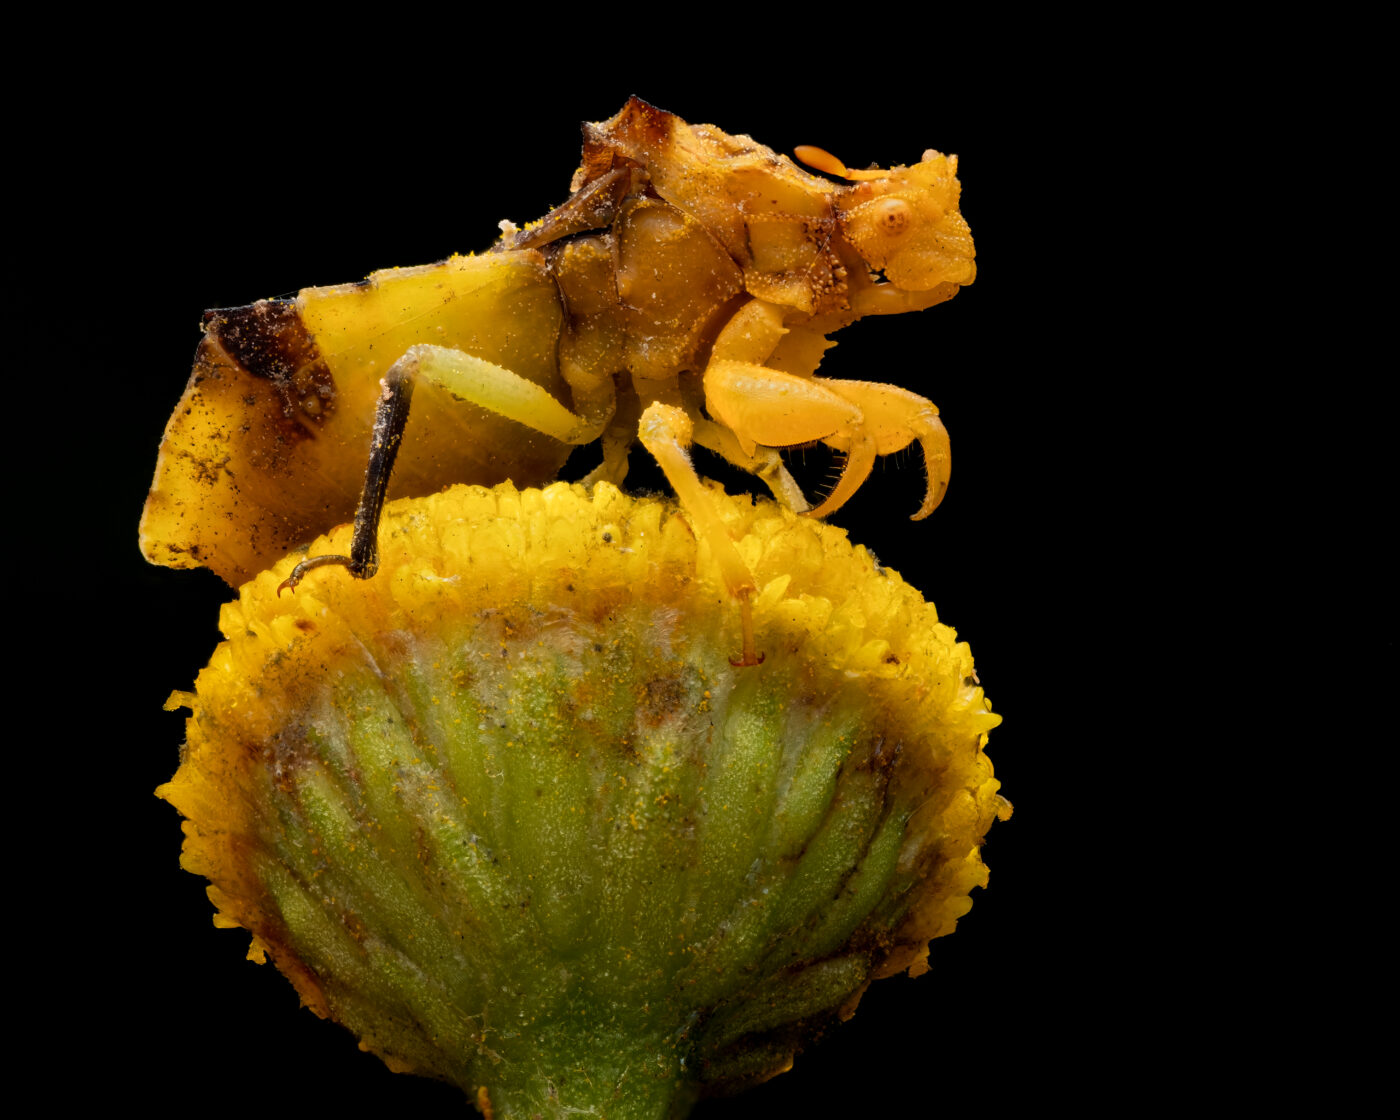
549	843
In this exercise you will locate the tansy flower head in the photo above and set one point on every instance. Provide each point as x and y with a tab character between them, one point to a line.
507	811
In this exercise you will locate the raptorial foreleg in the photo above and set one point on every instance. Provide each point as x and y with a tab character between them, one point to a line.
891	419
763	406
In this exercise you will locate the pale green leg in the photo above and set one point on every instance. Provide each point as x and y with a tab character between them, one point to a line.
496	388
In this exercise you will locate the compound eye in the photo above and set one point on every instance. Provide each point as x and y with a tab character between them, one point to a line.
892	215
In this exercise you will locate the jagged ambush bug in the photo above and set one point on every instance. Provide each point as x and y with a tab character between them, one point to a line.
511	811
682	295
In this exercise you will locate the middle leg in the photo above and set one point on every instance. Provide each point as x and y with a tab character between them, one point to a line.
666	432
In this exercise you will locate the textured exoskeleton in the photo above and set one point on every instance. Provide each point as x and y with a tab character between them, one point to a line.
683	293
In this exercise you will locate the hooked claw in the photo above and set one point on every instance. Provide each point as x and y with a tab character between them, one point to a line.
299	572
938	462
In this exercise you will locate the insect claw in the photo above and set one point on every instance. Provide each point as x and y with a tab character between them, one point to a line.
938	463
299	572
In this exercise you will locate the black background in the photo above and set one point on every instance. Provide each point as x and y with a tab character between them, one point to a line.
194	186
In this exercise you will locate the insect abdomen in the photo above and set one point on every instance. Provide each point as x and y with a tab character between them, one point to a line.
268	445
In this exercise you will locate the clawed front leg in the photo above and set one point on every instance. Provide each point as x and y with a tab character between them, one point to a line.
891	419
469	378
769	407
862	418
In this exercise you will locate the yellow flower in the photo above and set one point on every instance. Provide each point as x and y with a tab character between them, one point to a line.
508	812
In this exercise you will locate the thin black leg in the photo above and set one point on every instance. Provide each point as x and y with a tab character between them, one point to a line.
390	416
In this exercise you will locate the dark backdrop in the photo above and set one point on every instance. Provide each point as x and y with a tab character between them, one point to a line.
187	189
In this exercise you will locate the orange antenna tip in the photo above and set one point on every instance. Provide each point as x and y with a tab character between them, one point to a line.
820	160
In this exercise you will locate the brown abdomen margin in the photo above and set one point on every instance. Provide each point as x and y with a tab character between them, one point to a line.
269	340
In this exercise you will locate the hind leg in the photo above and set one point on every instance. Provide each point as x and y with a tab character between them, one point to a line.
472	379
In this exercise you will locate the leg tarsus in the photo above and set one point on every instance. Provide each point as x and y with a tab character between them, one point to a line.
299	572
612	469
617	440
